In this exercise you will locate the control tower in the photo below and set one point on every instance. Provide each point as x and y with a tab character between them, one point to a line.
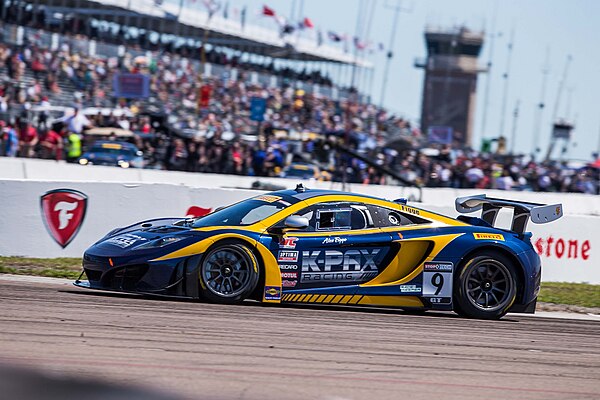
450	82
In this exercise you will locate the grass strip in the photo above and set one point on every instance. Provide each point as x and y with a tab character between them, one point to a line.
576	294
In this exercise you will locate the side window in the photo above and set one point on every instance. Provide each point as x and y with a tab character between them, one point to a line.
337	216
384	217
334	219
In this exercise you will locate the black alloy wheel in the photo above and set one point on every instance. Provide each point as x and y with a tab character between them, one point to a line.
228	273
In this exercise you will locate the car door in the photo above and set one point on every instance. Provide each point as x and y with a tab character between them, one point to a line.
341	248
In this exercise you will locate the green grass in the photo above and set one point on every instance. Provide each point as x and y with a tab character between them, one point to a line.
53	267
577	294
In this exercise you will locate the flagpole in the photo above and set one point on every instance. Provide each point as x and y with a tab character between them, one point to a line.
390	52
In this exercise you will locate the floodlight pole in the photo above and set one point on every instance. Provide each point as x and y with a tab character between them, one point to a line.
390	50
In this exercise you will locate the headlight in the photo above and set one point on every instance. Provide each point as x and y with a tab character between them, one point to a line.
162	242
123	164
83	161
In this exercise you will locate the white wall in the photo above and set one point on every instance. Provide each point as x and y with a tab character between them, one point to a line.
11	168
572	256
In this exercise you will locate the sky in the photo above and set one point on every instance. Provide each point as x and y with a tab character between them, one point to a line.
561	29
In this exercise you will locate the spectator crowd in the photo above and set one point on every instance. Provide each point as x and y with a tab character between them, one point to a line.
204	124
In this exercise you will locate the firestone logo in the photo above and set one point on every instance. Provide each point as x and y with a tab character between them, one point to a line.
63	211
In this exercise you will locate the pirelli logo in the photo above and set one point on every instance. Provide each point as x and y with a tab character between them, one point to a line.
488	236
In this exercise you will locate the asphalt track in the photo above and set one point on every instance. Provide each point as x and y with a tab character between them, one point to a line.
251	351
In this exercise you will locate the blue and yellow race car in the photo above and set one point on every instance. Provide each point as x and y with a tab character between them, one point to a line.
329	247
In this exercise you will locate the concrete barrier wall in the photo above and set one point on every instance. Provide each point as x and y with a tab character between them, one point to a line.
569	247
11	168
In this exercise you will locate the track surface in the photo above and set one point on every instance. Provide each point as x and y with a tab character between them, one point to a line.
256	352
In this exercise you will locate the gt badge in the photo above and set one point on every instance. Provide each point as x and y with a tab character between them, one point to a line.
63	211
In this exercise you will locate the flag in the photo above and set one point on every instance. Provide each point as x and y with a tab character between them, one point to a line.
381	47
212	6
334	37
268	12
359	45
226	11
308	23
243	17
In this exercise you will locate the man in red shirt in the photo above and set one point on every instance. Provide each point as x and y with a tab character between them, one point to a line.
52	145
28	139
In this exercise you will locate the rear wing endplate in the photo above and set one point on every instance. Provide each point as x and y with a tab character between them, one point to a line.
539	213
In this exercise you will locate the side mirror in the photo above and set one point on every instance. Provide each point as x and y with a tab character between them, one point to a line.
292	222
296	222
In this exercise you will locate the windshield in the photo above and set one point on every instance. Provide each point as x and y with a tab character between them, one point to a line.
112	150
246	212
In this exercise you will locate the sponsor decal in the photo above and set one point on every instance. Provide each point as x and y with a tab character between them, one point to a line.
488	236
125	240
195	212
292	275
268	198
288	242
336	266
438	266
287	256
272	293
334	240
440	300
410	210
288	267
410	289
289	283
63	211
551	247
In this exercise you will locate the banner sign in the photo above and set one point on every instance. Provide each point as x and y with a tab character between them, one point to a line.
131	86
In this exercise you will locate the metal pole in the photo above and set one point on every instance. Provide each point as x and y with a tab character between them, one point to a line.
390	52
505	77
538	118
557	104
513	135
486	95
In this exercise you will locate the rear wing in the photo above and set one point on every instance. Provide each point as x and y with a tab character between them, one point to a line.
539	213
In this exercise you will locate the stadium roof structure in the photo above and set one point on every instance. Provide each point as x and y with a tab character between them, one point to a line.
195	22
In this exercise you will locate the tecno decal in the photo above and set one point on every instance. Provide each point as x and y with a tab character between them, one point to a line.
337	266
63	212
551	247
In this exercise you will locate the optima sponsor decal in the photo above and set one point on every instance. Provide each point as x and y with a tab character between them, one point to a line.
337	266
287	256
488	236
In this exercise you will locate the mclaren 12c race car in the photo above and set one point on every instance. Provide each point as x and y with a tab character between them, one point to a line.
328	247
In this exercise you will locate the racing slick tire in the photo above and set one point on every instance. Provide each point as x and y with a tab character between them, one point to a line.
228	273
486	287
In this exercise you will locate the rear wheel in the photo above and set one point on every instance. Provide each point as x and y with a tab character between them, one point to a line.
486	287
228	273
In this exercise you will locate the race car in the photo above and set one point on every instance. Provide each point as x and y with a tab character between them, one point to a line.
329	247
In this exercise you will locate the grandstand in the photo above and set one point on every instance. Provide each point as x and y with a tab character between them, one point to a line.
202	75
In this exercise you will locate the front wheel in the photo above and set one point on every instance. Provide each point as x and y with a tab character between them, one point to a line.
486	287
228	274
